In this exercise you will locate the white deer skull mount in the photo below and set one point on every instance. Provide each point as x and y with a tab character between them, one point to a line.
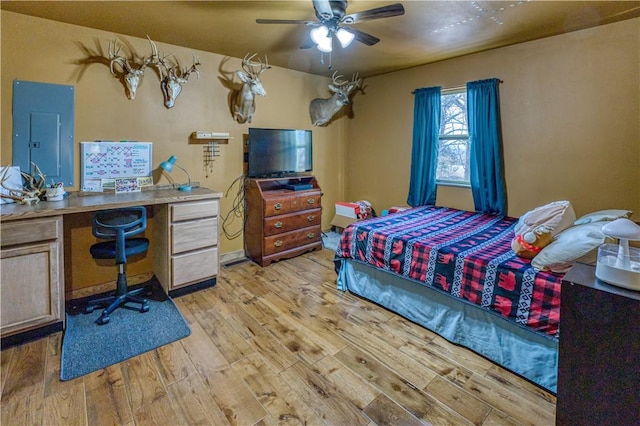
174	77
244	104
322	110
130	75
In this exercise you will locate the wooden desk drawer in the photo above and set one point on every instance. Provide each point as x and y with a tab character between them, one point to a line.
194	235
292	221
31	230
293	239
194	210
194	266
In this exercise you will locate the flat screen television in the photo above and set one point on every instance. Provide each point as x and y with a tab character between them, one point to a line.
279	152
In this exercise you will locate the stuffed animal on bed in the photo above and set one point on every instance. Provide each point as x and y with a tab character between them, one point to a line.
536	228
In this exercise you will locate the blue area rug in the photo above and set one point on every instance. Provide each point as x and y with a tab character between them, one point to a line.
331	240
87	347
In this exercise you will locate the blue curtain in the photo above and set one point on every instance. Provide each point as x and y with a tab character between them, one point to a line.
486	164
424	153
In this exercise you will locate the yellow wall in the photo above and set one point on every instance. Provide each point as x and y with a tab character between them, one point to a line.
570	115
45	51
570	123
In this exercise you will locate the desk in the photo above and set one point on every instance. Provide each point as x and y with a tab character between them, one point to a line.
184	246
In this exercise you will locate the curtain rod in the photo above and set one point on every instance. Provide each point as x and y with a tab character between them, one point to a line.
452	88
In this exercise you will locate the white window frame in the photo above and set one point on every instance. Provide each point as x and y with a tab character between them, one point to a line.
442	137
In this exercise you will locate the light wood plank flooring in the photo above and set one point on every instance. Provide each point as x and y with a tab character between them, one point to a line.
277	345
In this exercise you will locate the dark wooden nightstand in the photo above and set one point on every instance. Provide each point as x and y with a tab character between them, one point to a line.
599	352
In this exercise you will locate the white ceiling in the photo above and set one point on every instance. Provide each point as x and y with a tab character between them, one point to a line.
429	31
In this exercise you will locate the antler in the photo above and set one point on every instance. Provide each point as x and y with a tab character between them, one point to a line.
153	59
249	67
337	80
117	59
114	56
173	71
187	71
28	195
355	80
33	183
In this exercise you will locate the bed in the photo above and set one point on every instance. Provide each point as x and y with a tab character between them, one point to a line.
454	272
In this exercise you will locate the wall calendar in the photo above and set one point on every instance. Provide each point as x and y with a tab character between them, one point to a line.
106	165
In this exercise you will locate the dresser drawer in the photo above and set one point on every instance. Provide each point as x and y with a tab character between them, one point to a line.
194	266
293	239
194	235
292	221
194	210
31	230
291	203
305	201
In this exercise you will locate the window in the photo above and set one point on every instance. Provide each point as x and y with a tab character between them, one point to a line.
453	144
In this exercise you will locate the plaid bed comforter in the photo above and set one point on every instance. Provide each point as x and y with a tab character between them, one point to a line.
465	254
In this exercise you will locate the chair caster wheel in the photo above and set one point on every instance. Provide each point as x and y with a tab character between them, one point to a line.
144	308
104	319
89	309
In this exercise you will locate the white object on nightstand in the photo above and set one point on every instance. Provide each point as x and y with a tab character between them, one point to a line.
619	265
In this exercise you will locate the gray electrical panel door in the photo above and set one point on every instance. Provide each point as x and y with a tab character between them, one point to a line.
43	116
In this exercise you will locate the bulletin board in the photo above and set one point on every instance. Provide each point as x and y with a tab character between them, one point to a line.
104	165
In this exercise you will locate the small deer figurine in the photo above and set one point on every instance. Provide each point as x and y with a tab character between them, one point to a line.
321	110
173	78
244	104
130	75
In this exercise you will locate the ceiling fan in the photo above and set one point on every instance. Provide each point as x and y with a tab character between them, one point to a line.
333	20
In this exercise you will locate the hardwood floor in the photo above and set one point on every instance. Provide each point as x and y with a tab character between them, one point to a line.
277	345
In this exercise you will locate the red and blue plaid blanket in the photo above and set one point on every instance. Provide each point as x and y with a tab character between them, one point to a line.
465	254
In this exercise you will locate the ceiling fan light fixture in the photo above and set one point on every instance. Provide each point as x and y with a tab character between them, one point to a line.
345	37
325	45
322	38
319	34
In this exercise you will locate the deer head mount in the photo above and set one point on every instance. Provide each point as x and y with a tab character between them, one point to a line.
130	74
173	77
322	110
244	103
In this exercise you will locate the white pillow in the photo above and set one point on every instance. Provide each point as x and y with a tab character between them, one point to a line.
602	215
551	218
578	243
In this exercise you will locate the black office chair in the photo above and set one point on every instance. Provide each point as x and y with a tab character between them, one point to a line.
118	225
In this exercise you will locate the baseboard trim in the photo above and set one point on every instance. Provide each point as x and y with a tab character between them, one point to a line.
232	256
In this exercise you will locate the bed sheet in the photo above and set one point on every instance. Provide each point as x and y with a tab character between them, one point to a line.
465	254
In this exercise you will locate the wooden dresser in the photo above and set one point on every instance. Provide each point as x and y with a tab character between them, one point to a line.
283	217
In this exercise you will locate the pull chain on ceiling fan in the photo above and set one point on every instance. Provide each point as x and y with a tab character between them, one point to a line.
333	20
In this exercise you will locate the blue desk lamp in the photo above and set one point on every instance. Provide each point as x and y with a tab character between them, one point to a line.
168	167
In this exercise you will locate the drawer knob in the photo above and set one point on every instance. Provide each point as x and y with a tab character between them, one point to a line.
311	218
311	201
310	235
278	224
278	243
277	206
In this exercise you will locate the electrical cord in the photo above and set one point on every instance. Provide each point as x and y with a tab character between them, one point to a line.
237	209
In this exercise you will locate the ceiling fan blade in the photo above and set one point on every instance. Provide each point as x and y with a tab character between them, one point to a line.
363	37
377	13
284	21
323	9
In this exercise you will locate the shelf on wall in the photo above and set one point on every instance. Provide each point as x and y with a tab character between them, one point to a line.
220	138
